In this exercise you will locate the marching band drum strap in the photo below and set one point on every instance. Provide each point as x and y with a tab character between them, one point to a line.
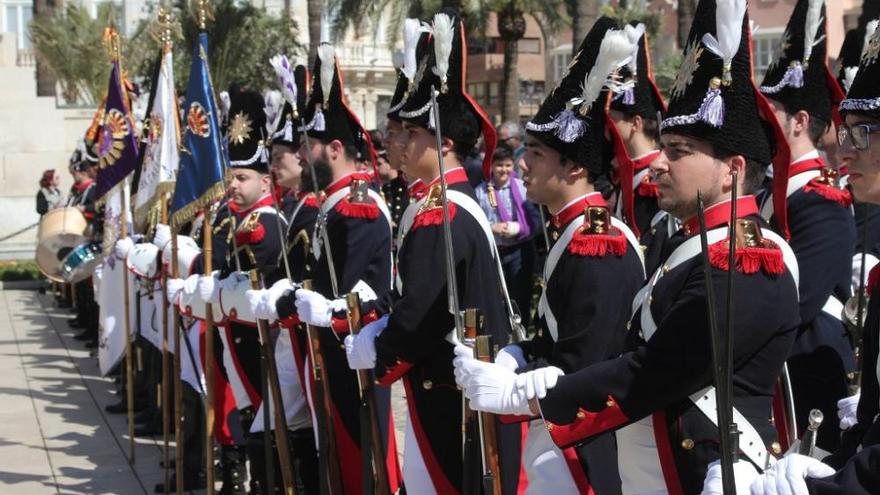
750	442
556	253
795	184
685	252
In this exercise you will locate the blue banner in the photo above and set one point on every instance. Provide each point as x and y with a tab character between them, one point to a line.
200	177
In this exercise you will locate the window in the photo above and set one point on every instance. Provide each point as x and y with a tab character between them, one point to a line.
17	20
766	50
529	45
561	58
494	91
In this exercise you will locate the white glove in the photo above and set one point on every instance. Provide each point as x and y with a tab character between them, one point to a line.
511	357
123	246
261	306
537	382
209	288
280	288
787	476
846	411
360	349
489	386
162	236
744	473
315	309
231	282
173	286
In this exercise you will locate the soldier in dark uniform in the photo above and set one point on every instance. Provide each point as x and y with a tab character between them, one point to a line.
657	394
804	95
635	135
414	346
858	148
358	237
582	317
82	197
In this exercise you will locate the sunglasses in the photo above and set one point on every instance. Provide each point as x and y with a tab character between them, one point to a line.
859	135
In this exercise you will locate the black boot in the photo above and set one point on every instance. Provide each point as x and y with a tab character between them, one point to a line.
232	464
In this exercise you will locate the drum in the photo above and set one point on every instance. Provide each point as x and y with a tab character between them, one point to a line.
79	264
61	230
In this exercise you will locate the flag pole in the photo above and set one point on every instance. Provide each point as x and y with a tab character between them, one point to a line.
178	386
166	397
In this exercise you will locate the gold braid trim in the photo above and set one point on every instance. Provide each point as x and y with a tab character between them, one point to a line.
188	212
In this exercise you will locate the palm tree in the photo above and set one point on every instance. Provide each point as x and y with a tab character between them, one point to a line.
314	8
45	78
511	29
583	14
686	10
69	44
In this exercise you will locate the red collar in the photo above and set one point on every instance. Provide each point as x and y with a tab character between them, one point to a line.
642	162
805	166
453	176
417	188
82	186
264	201
345	180
577	207
719	214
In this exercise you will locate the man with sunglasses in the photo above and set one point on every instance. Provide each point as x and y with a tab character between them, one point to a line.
803	94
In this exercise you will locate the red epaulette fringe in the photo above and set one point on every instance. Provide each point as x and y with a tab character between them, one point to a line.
251	237
749	260
369	211
839	195
433	216
598	245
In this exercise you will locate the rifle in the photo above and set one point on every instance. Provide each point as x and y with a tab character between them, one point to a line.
491	474
375	472
328	458
808	442
722	356
274	386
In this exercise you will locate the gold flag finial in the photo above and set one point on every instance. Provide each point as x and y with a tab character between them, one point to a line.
204	13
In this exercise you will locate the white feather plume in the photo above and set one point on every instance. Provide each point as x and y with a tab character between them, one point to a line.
284	74
849	75
412	29
634	33
814	18
614	52
225	103
728	29
274	100
328	64
443	29
869	31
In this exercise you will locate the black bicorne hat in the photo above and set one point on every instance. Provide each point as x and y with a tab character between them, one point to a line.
415	47
799	77
444	69
571	119
637	93
864	94
245	131
292	84
327	117
714	98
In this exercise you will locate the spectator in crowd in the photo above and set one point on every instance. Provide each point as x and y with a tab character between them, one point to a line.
511	134
514	222
473	164
49	196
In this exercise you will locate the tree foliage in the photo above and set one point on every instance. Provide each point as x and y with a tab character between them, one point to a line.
69	43
241	40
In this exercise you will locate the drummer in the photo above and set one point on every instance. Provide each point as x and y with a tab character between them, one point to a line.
82	196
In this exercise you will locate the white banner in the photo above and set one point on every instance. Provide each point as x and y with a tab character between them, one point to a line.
161	156
111	346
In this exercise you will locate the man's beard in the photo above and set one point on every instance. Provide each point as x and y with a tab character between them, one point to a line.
323	173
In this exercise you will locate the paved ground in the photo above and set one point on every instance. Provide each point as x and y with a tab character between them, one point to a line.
54	434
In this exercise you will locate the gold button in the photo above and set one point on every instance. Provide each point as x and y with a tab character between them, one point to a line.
650	299
549	426
342	346
540	332
687	444
644	248
665	268
629	325
609	403
237	340
776	448
641	335
653	231
581	415
427	384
